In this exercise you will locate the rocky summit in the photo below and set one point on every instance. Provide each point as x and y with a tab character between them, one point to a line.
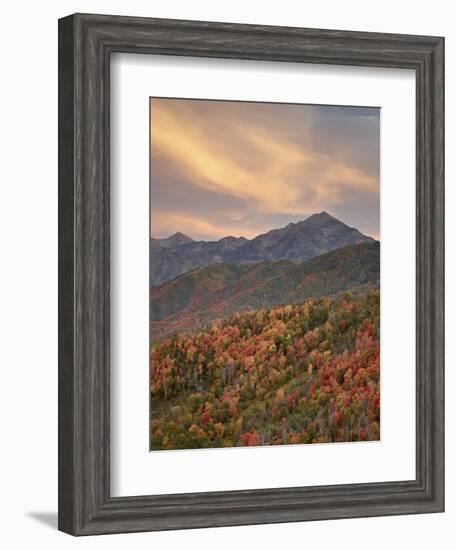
297	242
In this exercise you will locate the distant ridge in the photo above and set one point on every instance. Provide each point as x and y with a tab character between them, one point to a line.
193	299
316	235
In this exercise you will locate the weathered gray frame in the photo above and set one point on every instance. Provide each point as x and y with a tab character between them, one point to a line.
85	45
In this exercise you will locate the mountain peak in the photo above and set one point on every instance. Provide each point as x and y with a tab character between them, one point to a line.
176	239
179	235
321	216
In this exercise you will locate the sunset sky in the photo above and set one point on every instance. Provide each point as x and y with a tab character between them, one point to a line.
222	168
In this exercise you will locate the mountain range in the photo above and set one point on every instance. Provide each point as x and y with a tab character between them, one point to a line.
211	292
297	242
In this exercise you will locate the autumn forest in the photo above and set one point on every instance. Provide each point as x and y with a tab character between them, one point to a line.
306	373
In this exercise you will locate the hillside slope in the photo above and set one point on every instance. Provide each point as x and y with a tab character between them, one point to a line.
307	373
193	299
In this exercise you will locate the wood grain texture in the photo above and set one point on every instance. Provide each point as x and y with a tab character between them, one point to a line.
66	276
85	45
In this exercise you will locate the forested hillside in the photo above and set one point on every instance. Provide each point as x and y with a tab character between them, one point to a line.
201	296
303	373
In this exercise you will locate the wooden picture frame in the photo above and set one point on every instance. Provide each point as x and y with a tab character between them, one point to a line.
85	45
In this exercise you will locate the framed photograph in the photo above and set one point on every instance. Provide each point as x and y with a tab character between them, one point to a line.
251	274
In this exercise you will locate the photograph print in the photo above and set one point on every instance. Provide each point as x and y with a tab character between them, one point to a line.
264	274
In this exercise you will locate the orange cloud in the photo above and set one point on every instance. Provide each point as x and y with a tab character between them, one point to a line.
256	162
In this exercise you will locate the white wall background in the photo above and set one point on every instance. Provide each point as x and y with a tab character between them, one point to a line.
28	272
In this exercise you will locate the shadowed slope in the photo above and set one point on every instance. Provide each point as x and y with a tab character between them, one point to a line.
214	292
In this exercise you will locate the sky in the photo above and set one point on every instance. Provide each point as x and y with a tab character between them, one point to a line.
221	168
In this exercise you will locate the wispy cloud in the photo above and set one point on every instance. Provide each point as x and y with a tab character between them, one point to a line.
263	161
